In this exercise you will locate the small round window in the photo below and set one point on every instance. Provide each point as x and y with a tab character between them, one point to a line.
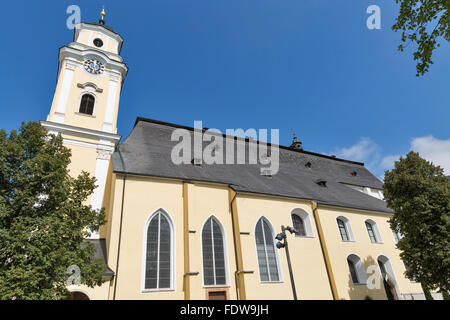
98	42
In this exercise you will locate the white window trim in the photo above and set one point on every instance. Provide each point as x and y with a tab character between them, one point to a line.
225	252
373	192
348	227
359	267
277	254
399	236
91	91
172	253
374	226
302	214
387	266
75	288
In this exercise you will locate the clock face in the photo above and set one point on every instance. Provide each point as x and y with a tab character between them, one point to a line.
93	66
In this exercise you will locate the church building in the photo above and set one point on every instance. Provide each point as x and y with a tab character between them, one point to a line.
208	231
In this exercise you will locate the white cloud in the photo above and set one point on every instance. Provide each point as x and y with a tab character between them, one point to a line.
434	150
388	162
361	151
367	151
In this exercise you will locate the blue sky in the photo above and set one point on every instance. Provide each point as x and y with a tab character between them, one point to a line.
308	65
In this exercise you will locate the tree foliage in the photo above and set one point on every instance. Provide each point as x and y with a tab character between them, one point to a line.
419	194
43	217
423	22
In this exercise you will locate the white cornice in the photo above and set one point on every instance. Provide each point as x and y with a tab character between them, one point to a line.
98	146
98	28
68	52
88	133
81	46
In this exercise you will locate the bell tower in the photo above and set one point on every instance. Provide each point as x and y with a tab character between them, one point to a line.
86	100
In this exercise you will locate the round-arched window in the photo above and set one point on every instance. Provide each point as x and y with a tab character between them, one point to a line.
87	104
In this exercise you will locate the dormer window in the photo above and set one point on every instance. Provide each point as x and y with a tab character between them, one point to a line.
98	42
87	104
354	173
308	165
321	183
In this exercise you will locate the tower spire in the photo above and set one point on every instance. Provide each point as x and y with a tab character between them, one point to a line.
296	144
102	14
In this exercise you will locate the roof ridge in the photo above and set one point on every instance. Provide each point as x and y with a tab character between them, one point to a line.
170	124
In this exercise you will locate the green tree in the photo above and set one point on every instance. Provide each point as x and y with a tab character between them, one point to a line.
43	217
419	194
446	295
423	22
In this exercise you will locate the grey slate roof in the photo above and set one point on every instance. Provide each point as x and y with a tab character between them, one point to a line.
147	151
100	252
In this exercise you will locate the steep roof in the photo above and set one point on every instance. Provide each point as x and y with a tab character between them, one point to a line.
147	151
100	252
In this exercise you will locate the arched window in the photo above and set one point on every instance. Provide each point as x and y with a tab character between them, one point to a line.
342	230
214	272
387	273
353	274
302	223
372	229
385	267
356	268
267	259
372	236
77	295
87	104
158	262
397	236
299	225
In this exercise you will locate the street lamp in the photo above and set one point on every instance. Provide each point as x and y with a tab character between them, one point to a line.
282	237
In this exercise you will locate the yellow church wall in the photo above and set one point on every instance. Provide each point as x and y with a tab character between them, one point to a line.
113	227
142	198
206	200
57	93
108	201
367	251
87	37
145	195
83	159
83	37
116	107
308	265
80	138
72	116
